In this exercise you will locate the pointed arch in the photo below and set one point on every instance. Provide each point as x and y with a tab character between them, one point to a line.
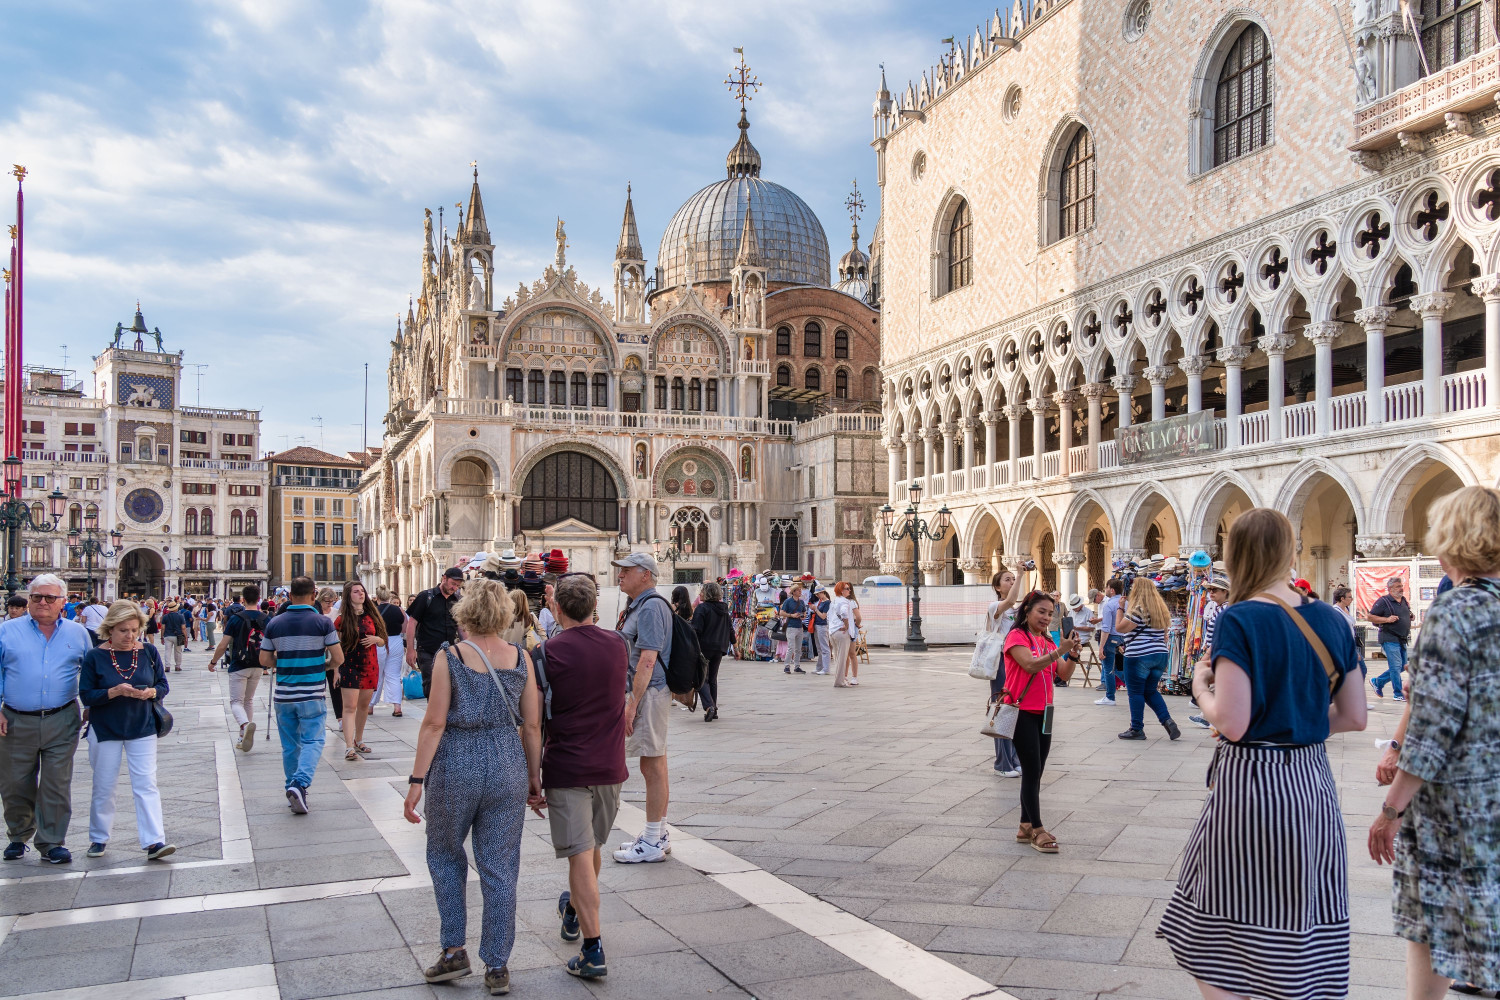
1208	509
471	450
1140	511
1023	525
1079	515
1298	485
985	533
1400	477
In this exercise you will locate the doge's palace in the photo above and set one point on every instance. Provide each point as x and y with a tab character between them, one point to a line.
1249	222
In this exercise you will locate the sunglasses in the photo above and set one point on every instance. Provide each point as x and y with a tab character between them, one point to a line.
45	598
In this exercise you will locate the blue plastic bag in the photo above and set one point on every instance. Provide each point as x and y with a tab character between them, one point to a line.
411	685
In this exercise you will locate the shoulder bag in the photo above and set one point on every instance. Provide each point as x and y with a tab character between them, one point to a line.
989	651
1000	719
159	713
1312	640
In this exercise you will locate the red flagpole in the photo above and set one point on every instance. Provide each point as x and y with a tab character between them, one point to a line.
13	356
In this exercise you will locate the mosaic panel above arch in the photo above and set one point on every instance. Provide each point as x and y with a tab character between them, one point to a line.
556	335
687	345
693	473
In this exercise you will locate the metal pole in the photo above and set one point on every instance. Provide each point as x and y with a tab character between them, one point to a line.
915	643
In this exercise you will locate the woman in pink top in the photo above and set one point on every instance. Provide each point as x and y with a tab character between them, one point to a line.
1032	660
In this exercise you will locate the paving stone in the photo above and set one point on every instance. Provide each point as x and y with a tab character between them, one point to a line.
246	920
942	915
655	903
333	974
1029	890
832	986
790	956
983	941
78	938
219	878
673	976
124	888
1090	978
34	897
44	973
328	927
202	954
1098	915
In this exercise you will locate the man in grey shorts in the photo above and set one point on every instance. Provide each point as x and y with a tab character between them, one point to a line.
583	760
647	628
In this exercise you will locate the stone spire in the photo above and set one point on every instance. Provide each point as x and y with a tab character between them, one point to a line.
630	237
478	231
749	252
744	159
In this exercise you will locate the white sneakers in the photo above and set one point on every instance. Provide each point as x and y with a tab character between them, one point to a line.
247	737
643	851
1104	701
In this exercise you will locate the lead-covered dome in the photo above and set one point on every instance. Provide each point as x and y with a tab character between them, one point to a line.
707	227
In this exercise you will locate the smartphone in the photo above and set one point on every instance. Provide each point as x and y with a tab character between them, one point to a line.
1047	721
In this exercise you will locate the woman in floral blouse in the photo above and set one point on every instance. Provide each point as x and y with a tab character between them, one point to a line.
1441	819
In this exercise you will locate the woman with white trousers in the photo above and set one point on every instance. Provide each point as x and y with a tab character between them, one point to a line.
117	683
392	656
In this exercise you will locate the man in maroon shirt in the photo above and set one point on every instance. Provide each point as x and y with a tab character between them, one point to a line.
583	758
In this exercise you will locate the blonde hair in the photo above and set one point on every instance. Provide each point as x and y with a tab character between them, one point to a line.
119	613
1258	553
1465	530
485	609
522	609
326	596
1144	597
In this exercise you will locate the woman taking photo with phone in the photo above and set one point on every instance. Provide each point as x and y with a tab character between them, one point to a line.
1143	622
1031	663
1262	905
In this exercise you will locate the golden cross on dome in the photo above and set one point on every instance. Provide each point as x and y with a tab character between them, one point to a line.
855	203
741	83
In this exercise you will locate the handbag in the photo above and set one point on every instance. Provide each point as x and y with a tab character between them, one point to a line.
989	650
159	714
1001	723
411	684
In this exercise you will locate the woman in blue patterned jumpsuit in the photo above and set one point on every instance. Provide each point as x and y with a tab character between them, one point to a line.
479	773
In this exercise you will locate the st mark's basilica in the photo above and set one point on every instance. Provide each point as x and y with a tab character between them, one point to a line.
720	408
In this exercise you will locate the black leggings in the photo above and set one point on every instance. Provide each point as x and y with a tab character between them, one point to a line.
709	692
1032	746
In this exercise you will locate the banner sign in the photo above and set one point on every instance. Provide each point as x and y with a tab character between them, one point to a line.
1174	437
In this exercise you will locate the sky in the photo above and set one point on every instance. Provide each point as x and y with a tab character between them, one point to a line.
254	171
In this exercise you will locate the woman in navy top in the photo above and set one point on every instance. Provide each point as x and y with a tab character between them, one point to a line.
117	683
1262	905
1143	621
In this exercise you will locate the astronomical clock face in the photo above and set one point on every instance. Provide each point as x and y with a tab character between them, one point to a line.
144	506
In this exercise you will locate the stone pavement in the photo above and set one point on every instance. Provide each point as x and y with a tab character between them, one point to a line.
888	833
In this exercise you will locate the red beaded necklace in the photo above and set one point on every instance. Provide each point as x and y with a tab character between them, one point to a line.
134	658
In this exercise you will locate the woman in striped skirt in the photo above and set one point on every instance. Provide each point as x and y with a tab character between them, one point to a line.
1262	906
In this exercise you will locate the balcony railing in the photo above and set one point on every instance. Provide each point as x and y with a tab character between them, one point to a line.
1078	459
1348	411
1299	420
218	465
1026	468
978	477
1464	86
1403	402
87	457
1255	428
1050	466
1464	391
831	423
600	419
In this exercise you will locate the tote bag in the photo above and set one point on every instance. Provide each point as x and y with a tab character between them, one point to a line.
989	648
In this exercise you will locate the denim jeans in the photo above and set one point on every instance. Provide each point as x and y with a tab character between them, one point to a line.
300	724
1395	658
1142	673
1112	668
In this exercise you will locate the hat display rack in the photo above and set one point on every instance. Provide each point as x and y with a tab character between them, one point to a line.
1183	584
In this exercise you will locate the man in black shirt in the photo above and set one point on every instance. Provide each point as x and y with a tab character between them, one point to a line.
1393	614
429	623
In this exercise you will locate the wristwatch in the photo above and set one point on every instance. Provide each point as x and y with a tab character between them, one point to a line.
414	780
1396	745
1387	812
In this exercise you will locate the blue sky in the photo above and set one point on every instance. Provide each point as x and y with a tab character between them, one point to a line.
255	172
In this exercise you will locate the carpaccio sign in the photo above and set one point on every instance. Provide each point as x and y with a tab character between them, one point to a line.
1173	437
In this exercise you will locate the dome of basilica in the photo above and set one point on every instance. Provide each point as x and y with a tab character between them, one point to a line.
708	226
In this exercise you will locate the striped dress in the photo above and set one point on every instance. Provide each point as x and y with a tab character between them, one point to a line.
1262	905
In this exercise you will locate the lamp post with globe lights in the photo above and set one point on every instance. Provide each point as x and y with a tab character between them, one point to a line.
915	527
87	545
16	514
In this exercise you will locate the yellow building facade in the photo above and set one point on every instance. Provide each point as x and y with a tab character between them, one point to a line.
313	526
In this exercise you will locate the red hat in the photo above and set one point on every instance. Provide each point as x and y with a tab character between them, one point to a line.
1302	585
556	554
807	576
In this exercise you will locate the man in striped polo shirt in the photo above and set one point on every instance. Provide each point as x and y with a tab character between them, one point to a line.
299	645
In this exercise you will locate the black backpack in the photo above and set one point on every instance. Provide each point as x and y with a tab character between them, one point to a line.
686	666
246	652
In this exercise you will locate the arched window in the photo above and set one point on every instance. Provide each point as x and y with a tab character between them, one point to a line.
812	341
580	389
252	525
206	522
190	521
601	389
783	341
677	393
813	379
559	382
1450	31
960	247
514	385
236	522
841	343
871	380
711	403
566	485
841	384
783	374
75	517
660	385
690	531
1076	190
695	395
1242	99
536	387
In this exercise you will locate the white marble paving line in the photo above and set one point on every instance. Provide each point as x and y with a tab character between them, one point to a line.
6	923
381	802
252	982
234	824
892	958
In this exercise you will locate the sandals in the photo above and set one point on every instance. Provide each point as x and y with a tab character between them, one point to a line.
1043	841
363	747
396	714
351	754
1023	835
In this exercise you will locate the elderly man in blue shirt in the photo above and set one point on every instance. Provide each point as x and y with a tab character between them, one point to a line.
41	653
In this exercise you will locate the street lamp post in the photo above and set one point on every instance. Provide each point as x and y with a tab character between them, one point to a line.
15	514
670	555
88	545
916	528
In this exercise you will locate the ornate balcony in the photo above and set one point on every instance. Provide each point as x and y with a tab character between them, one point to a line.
1464	86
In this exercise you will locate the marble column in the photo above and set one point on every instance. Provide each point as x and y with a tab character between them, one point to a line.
1039	406
1013	413
1065	401
911	455
1094	393
929	568
1431	308
929	442
1275	347
1321	336
1067	572
1374	320
969	423
893	466
1158	376
1124	385
950	433
974	571
990	419
1233	359
1193	368
1488	289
